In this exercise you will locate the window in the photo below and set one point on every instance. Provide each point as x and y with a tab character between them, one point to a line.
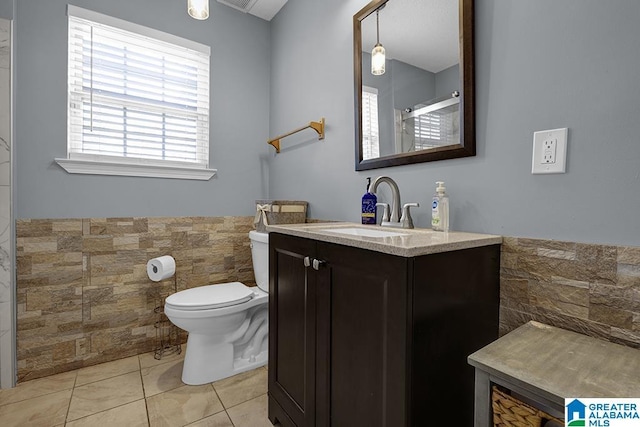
370	133
138	100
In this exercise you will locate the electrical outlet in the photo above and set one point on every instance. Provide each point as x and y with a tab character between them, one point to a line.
549	151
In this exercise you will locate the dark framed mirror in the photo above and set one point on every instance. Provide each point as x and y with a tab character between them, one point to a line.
421	108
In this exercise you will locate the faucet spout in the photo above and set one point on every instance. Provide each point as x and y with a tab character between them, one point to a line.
395	193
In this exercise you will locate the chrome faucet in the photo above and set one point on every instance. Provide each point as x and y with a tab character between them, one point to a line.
395	220
395	194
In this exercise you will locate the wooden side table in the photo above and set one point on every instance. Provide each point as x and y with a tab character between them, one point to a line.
545	365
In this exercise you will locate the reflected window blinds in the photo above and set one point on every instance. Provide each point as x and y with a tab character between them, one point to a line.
370	131
437	128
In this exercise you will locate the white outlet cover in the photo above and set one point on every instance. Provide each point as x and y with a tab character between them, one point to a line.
538	163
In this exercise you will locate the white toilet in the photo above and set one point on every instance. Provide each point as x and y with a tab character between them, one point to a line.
227	323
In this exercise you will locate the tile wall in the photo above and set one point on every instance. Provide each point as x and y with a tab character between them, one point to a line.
84	296
591	289
6	313
83	293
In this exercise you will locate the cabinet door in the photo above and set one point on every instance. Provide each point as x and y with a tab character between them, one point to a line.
361	355
292	336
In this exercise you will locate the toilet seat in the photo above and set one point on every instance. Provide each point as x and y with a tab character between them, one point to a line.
210	296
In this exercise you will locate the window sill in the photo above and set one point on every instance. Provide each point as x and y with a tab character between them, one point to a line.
94	167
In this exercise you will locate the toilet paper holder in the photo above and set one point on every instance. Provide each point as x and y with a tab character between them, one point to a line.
167	340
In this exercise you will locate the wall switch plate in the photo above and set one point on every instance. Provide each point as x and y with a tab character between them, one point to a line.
549	151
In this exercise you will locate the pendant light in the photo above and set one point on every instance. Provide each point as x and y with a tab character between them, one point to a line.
198	9
377	54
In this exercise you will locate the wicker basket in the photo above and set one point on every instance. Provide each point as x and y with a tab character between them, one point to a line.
274	212
511	412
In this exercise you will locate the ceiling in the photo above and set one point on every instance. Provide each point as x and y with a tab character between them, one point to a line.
423	33
265	9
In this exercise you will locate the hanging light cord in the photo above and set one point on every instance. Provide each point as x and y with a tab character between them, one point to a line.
377	27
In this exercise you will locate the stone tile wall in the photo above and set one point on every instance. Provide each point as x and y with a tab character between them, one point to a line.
591	289
84	296
83	293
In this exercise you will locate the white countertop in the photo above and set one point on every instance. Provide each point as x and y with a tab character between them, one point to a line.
412	242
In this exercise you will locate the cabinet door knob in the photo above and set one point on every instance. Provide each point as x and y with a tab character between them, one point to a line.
307	261
317	264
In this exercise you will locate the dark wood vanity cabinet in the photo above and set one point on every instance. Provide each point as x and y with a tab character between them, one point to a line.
292	342
363	338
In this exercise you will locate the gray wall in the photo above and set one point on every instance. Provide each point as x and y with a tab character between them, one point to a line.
539	65
239	115
6	9
448	80
411	85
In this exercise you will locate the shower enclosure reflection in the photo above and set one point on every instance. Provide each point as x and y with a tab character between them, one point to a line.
432	124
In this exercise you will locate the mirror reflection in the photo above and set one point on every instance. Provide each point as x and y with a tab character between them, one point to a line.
417	95
410	107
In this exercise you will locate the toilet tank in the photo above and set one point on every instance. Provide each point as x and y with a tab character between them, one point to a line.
260	258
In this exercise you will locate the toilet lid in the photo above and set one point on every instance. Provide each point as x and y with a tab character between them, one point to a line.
210	296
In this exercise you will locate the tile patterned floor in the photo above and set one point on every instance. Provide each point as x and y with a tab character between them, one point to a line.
136	391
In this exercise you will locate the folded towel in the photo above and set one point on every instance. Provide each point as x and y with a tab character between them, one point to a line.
261	214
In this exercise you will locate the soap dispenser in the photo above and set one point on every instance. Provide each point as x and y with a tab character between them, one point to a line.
369	201
440	209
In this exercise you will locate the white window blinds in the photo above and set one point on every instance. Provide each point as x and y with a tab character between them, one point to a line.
370	132
437	128
136	94
427	131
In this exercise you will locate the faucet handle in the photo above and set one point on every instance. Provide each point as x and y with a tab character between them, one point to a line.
385	212
406	221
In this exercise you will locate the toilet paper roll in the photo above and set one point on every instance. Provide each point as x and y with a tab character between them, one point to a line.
161	268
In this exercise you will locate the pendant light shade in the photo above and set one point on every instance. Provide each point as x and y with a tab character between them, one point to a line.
378	60
198	9
378	57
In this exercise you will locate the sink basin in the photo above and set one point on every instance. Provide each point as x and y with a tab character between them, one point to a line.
363	232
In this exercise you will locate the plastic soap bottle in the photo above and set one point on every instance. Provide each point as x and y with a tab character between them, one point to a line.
369	201
440	209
